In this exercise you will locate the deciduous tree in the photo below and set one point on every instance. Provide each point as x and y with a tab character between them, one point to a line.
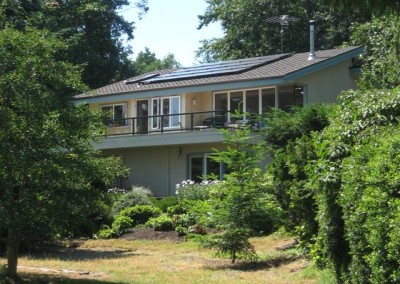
49	172
247	33
93	30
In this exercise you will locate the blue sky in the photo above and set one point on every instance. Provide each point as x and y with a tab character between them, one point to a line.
170	26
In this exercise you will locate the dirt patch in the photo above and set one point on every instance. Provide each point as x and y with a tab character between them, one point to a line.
151	234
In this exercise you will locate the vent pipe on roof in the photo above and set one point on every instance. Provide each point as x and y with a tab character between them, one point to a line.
312	55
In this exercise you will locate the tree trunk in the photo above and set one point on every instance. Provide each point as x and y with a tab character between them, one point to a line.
12	252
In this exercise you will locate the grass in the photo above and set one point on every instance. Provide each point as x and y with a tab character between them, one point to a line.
122	261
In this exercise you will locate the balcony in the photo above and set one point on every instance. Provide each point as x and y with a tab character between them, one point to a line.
168	123
175	129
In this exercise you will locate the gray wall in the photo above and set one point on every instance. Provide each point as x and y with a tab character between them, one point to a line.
159	168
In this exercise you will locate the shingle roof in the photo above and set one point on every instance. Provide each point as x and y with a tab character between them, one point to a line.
277	69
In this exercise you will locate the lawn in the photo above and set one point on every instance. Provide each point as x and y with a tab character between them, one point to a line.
163	261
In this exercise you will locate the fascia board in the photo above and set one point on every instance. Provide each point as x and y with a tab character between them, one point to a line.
322	65
183	90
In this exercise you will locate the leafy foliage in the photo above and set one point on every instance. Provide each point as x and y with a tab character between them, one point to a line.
164	203
360	116
248	34
289	137
160	223
92	29
190	190
121	224
370	202
46	154
241	197
382	45
146	61
140	214
136	196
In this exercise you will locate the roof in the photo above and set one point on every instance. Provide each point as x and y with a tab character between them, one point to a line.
284	66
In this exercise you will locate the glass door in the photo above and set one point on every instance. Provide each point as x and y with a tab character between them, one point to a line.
142	121
166	111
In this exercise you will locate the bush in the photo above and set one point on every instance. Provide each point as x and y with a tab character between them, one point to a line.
121	224
140	214
164	203
136	196
105	233
188	189
161	223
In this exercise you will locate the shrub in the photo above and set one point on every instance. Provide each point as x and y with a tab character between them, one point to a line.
121	224
164	203
136	196
140	214
105	233
188	189
161	223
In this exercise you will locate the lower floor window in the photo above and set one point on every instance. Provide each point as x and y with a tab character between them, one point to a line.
203	167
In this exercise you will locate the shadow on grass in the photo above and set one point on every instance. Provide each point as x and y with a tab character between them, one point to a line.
80	254
49	279
276	261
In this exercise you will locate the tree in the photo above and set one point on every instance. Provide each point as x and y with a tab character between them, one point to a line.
289	137
376	6
248	34
242	204
146	62
381	40
360	115
46	156
93	30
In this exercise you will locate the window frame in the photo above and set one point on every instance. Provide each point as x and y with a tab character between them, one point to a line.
111	121
158	109
204	165
227	94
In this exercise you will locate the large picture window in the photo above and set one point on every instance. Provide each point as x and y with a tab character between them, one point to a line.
259	101
202	166
116	114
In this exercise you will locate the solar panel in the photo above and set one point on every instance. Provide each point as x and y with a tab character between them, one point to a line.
215	69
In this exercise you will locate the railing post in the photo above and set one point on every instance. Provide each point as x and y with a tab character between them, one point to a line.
191	122
162	123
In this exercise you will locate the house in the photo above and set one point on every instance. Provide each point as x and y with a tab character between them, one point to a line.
165	124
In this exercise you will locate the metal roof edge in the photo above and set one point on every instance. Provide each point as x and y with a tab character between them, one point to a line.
206	87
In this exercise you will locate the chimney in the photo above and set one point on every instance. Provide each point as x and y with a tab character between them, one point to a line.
312	55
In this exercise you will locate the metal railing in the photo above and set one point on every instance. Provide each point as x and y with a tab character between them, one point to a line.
192	121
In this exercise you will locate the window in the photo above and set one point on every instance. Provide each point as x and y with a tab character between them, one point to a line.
290	96
203	166
166	109
116	114
258	101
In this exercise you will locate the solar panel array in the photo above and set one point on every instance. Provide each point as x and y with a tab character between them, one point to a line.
214	69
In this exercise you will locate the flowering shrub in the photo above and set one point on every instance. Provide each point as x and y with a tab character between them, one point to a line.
191	190
136	196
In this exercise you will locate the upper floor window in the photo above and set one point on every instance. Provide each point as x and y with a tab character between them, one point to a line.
116	114
258	101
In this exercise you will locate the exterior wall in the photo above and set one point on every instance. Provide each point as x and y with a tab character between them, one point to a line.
160	168
326	85
197	102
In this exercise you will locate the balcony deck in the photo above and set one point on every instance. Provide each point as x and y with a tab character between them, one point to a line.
176	129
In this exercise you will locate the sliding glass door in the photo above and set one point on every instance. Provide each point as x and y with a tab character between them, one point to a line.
165	112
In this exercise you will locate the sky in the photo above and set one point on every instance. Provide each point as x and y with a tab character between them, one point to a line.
170	26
